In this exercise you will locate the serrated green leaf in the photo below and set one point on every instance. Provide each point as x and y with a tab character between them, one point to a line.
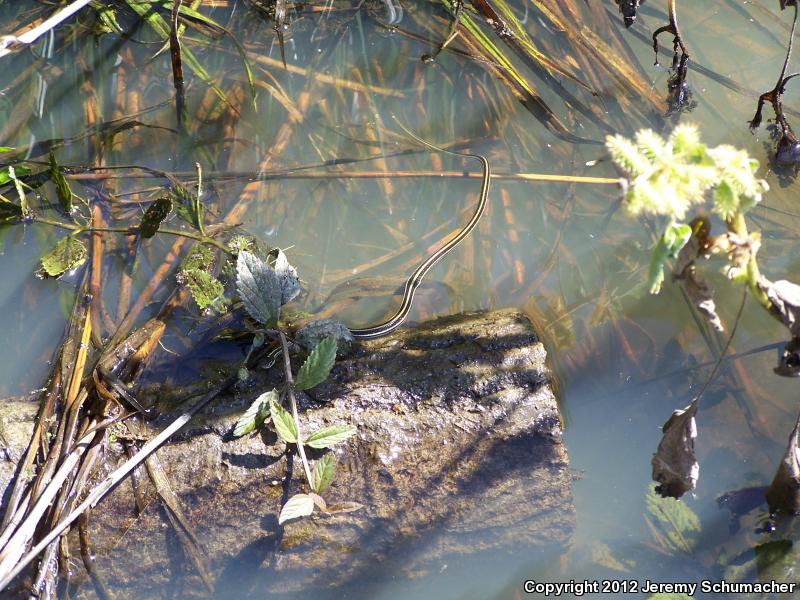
328	437
259	288
201	257
322	475
67	254
287	275
256	415
154	216
726	201
63	191
318	364
206	289
188	206
299	505
284	423
238	243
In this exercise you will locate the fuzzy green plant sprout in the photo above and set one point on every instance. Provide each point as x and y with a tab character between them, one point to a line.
680	175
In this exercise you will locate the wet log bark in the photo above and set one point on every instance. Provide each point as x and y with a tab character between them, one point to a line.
458	452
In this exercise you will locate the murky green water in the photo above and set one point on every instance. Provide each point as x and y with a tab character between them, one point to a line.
563	252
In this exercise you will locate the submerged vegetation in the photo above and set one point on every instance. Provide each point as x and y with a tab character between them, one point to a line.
213	139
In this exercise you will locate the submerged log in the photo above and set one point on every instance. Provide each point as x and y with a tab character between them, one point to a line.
458	452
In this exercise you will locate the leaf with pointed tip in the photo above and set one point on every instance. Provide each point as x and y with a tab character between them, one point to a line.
283	421
314	332
669	244
256	415
322	475
319	501
259	288
67	254
299	505
318	365
63	191
328	437
206	289
188	206
154	216
287	275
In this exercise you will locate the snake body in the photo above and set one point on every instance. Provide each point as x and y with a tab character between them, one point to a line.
415	279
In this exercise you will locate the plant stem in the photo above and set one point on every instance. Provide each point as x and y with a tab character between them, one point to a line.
290	388
738	225
77	229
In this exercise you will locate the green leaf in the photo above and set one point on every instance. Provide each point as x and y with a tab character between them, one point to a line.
322	475
671	242
317	365
256	415
299	505
284	423
63	191
19	171
726	201
675	238
188	206
67	254
314	332
154	216
206	289
259	288
6	148
201	257
328	437
287	275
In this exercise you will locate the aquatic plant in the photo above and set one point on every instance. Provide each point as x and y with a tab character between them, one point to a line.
263	289
669	177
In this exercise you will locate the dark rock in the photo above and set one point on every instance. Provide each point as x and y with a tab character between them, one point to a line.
458	451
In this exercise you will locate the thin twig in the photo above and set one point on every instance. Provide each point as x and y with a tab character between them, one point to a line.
10	43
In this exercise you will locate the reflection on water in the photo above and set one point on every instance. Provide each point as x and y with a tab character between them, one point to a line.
564	252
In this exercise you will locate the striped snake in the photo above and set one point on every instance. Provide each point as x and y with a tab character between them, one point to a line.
415	279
